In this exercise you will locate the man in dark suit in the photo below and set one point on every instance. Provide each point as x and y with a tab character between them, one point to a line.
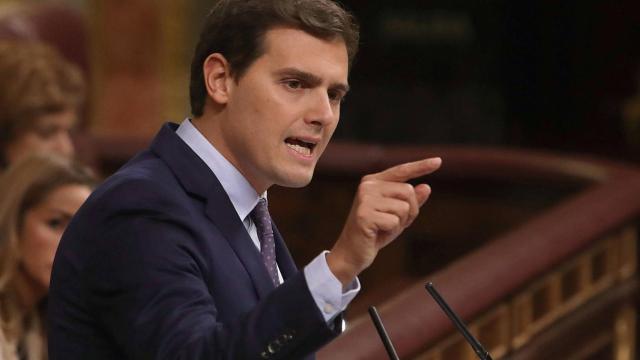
174	256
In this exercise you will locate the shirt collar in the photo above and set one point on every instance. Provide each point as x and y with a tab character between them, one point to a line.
242	195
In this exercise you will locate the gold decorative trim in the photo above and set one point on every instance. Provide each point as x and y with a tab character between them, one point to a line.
628	252
513	322
625	333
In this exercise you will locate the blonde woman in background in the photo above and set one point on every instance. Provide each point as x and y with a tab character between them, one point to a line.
39	195
40	97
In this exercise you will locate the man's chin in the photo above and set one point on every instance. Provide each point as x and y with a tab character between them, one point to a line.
296	180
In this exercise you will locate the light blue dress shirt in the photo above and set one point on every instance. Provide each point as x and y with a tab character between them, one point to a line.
325	288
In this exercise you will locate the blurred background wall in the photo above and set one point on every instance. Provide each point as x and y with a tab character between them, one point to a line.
536	74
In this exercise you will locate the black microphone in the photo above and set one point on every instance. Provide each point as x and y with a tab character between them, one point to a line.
475	344
383	333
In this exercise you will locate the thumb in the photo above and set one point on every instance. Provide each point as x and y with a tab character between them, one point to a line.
422	193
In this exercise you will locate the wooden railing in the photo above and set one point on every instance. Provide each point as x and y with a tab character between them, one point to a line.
526	282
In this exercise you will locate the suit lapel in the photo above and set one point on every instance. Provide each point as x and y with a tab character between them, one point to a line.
285	262
235	232
197	179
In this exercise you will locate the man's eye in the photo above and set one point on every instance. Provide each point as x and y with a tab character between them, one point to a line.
293	84
336	96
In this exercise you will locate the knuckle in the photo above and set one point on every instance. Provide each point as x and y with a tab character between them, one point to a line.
406	208
366	184
408	188
366	178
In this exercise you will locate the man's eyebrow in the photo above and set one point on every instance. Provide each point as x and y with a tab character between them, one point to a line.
344	88
310	79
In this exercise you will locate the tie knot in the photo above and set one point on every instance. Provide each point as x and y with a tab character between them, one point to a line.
261	208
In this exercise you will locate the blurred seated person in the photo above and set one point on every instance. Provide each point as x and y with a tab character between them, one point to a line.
39	195
40	98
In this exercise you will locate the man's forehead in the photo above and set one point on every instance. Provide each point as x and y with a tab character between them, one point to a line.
294	48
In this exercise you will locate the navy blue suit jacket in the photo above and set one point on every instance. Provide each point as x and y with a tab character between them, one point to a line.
157	265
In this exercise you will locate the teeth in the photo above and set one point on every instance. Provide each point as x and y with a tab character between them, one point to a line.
300	149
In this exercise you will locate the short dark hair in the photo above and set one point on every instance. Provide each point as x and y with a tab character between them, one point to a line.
236	29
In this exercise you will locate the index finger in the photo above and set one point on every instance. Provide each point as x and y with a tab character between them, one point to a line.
408	171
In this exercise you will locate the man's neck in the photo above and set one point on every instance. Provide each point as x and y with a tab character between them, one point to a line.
208	126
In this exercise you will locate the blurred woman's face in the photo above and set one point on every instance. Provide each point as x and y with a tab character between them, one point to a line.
42	228
51	133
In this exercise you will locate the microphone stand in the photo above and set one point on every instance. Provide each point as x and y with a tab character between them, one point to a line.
383	333
475	344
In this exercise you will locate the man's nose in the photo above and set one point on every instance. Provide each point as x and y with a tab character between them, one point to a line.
322	111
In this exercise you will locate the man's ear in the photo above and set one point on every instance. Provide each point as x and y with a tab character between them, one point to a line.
217	77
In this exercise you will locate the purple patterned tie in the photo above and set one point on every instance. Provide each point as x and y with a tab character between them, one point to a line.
260	216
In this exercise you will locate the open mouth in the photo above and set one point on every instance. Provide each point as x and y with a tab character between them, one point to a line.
299	146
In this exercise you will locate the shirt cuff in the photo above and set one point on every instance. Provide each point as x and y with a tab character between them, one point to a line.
326	289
